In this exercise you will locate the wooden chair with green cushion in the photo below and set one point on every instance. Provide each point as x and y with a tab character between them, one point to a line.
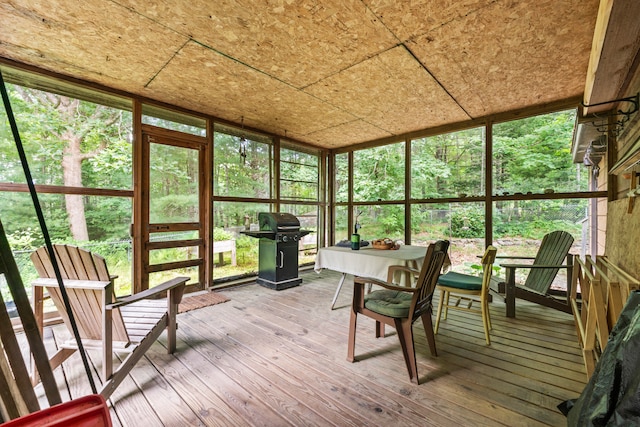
400	306
553	250
470	289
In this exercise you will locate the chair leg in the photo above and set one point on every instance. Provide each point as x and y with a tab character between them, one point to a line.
488	315
379	329
352	337
405	335
172	325
486	321
510	292
428	330
446	304
439	313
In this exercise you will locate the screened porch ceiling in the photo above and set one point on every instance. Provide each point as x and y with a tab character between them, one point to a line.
331	73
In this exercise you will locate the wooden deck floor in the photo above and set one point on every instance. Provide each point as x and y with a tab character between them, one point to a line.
269	358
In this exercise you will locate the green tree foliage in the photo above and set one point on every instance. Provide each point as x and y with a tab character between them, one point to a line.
378	173
533	154
173	184
298	175
448	165
235	176
342	177
72	143
529	155
467	222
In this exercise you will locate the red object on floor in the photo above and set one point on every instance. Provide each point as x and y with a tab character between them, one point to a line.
86	411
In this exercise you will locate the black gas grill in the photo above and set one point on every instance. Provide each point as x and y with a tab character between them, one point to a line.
278	251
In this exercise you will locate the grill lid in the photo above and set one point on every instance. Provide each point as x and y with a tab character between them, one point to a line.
278	221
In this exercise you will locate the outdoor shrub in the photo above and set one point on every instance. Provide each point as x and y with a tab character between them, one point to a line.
220	234
467	222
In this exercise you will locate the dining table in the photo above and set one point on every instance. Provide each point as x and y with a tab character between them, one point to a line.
367	262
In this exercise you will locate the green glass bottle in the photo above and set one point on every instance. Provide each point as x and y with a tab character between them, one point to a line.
355	237
355	241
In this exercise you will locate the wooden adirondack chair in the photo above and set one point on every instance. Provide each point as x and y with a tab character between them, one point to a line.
126	325
553	250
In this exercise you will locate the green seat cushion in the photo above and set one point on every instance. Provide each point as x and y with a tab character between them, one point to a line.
461	281
389	303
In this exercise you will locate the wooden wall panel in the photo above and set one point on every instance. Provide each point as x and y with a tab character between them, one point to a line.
623	228
623	235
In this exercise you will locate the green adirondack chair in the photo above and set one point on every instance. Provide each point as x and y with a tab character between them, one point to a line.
554	249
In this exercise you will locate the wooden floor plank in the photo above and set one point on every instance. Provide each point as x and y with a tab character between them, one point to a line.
212	409
167	404
203	360
275	358
130	405
462	362
269	373
455	398
335	379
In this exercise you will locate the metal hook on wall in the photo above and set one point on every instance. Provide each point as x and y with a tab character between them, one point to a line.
603	126
634	100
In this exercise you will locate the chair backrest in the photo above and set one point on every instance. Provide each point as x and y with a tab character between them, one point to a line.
487	261
87	303
553	250
428	278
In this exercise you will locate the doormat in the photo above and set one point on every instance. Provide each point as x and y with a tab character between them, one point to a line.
192	302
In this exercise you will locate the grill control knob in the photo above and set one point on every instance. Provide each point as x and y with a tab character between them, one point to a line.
285	238
295	238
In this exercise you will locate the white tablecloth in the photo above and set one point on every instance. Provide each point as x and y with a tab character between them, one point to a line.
368	262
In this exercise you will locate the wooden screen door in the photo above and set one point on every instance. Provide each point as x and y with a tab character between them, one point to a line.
171	211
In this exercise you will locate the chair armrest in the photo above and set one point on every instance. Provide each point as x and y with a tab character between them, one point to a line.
364	280
70	283
156	290
512	257
533	266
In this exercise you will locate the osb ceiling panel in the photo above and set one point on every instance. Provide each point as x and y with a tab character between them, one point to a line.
298	42
216	85
95	41
409	19
331	73
346	134
391	91
512	54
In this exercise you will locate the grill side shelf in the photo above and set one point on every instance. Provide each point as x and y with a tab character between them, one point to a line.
259	234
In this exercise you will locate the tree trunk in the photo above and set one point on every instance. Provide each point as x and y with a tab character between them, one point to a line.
69	127
72	174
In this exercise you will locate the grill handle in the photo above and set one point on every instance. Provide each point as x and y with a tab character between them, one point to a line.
281	259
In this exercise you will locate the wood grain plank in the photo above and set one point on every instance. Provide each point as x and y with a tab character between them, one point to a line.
333	381
368	400
212	409
381	370
278	358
